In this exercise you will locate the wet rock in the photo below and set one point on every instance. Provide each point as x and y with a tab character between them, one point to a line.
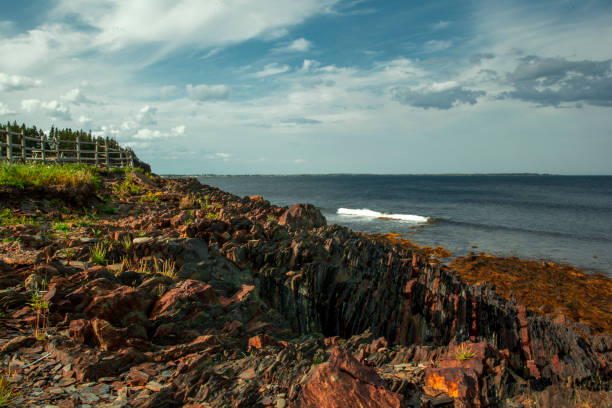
17	343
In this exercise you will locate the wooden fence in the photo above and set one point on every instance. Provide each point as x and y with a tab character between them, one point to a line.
44	150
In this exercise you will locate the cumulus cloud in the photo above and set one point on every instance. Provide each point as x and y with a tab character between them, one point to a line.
299	45
17	82
553	81
146	116
443	95
204	92
5	110
179	130
271	69
54	109
76	96
148	134
309	64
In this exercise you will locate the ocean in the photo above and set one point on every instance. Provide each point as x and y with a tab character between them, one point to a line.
564	219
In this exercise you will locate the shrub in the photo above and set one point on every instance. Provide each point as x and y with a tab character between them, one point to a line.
465	352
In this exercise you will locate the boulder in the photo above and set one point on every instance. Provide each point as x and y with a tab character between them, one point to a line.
305	216
344	382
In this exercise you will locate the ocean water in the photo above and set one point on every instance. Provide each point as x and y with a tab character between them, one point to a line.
566	219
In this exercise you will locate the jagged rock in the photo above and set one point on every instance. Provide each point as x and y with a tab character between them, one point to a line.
344	382
303	216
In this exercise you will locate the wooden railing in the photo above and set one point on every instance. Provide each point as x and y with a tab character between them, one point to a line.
44	149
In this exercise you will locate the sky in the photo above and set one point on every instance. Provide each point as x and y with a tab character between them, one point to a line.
320	86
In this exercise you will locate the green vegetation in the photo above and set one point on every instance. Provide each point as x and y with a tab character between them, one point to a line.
150	197
36	174
107	209
464	352
7	218
212	216
7	391
317	360
98	254
38	303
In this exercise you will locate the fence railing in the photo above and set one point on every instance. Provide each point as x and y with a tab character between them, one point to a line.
45	149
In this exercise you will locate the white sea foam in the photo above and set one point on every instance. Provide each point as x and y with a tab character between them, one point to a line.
375	214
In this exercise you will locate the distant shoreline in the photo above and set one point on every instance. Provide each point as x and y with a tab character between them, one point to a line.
391	175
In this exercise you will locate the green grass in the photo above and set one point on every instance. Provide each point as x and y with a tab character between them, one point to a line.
35	174
464	353
98	254
7	218
7	391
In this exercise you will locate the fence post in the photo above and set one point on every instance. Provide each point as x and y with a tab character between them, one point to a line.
77	145
121	157
106	153
23	147
57	151
131	158
96	152
43	143
9	146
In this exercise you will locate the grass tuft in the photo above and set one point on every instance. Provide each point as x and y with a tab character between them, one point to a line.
7	391
465	352
36	174
98	254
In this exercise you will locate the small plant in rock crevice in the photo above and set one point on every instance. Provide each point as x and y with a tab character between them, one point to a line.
7	391
98	254
38	303
465	352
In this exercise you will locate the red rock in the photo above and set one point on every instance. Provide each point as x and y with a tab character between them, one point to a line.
109	337
238	296
344	382
80	330
115	305
459	383
260	341
188	290
137	377
302	216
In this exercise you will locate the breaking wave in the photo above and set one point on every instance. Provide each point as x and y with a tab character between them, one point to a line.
375	214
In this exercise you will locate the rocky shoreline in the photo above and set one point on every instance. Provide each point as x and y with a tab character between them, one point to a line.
205	299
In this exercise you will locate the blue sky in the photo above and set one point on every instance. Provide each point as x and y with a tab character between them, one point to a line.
320	86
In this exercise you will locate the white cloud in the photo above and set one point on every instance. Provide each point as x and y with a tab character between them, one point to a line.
17	82
30	105
56	109
299	45
271	69
148	134
437	45
204	92
76	97
190	22
5	110
179	130
299	161
310	64
219	156
146	116
84	120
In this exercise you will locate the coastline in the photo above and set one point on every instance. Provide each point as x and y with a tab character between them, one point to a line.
167	292
560	291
